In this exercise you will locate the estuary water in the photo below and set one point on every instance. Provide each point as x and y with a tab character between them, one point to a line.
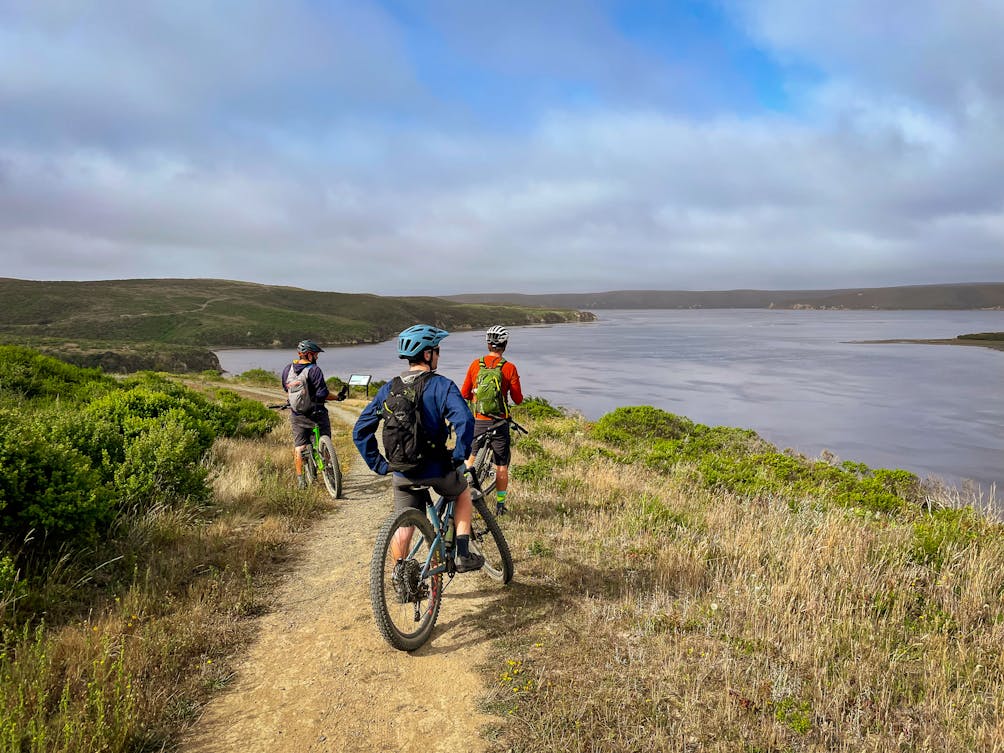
797	377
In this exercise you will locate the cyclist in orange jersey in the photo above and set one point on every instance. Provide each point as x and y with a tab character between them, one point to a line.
497	338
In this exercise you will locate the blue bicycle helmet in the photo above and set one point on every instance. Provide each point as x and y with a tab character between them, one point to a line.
415	339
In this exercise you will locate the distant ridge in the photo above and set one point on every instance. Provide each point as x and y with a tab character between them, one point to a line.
165	324
908	297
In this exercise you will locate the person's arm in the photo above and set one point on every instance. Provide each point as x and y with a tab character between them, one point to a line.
364	434
316	378
515	390
467	391
459	416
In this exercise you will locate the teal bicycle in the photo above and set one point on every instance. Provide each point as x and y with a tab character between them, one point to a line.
320	459
413	562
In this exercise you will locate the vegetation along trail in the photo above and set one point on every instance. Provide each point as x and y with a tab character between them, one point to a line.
320	678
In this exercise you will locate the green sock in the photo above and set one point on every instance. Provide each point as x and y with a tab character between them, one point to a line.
500	497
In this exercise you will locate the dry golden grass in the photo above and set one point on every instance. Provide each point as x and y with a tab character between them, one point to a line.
649	614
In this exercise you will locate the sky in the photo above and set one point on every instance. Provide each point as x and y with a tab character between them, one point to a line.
438	147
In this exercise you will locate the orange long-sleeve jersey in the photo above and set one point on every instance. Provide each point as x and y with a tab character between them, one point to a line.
510	380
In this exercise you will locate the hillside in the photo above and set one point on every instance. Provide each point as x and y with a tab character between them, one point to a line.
949	296
171	324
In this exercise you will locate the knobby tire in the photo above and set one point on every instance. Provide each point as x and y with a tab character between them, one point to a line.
395	620
332	474
488	540
484	467
309	467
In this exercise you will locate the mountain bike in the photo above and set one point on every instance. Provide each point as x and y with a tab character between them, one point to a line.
320	459
412	556
484	459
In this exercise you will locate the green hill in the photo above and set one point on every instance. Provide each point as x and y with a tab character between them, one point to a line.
170	324
948	296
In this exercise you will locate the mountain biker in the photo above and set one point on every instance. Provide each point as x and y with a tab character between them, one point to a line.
496	337
303	424
441	409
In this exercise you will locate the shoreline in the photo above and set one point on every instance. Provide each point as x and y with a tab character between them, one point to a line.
991	344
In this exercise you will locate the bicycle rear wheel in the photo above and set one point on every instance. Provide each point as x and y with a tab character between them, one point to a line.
487	540
405	604
332	473
309	466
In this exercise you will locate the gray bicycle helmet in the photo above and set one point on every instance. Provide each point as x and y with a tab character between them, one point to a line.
415	339
308	346
497	335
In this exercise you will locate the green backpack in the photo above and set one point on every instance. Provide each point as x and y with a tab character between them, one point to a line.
489	399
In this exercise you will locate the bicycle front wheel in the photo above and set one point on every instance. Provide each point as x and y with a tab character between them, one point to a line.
488	541
484	467
331	470
404	597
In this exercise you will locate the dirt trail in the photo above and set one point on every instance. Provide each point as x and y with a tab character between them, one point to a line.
320	678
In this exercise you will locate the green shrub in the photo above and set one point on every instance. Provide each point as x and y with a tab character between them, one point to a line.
536	408
625	427
131	410
244	418
28	375
47	486
162	464
537	470
938	535
259	376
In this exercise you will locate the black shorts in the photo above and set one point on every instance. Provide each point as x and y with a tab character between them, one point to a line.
450	485
303	426
500	441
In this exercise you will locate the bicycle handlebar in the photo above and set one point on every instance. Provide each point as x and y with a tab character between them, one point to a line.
509	420
279	406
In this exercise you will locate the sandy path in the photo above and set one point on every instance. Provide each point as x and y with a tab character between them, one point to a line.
320	678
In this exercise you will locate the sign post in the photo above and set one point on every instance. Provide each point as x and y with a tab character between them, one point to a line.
361	380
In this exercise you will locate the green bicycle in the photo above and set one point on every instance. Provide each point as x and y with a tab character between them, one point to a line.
320	459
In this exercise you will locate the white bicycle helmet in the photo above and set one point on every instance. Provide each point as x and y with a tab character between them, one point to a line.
497	335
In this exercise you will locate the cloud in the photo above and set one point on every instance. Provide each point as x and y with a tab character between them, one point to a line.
323	146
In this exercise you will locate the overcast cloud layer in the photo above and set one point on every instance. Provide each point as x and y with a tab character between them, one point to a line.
442	147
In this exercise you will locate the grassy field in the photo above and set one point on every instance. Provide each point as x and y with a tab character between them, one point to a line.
727	597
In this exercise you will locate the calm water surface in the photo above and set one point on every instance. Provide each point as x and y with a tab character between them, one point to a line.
793	376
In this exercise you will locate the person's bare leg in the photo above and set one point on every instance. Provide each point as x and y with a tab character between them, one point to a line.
400	545
462	513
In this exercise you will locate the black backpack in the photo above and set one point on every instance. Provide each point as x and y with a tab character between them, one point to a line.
405	441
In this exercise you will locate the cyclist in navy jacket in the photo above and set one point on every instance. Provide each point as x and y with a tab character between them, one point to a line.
303	424
442	409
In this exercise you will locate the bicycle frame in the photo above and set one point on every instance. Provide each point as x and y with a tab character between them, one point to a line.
316	449
443	510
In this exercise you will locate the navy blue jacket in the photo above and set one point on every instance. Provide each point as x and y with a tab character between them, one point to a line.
442	408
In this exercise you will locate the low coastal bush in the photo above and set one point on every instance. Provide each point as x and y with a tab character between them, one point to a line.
741	462
259	377
81	447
